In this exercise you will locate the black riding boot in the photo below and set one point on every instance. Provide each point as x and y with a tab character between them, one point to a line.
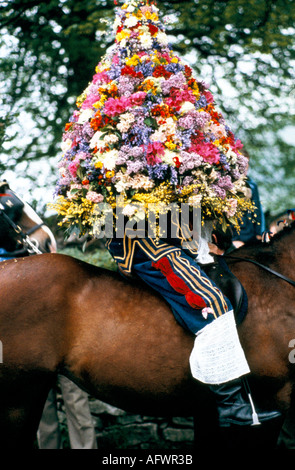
235	405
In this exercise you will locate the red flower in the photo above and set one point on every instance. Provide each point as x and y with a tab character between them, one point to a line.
177	162
153	29
160	71
187	71
127	70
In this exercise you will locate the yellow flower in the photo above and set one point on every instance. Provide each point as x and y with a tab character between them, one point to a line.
132	61
170	145
139	14
80	99
151	16
109	174
122	35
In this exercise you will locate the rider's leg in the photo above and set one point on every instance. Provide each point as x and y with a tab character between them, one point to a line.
217	357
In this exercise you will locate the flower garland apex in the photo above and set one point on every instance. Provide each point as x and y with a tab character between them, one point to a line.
147	131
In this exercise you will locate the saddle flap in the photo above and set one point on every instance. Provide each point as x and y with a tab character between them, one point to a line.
229	285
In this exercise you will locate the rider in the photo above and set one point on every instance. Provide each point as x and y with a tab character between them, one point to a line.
148	146
252	225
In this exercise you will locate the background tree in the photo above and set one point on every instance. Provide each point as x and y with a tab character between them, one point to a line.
244	49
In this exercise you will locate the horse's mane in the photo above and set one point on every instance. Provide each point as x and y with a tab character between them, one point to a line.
265	252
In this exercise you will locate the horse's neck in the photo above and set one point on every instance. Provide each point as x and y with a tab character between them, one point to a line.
279	254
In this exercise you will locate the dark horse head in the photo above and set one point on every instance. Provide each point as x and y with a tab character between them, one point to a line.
22	231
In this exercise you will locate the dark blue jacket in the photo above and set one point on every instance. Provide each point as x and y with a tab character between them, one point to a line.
253	223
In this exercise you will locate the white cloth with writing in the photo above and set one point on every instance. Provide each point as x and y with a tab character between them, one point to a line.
217	356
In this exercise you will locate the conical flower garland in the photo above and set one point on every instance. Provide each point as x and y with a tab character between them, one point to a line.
147	131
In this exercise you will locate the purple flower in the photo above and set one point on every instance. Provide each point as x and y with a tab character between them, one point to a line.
158	171
187	121
189	161
175	81
225	182
174	176
115	72
134	166
219	191
174	68
126	86
188	180
242	162
201	103
202	118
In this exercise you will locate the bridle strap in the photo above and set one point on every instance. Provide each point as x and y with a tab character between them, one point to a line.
33	229
266	268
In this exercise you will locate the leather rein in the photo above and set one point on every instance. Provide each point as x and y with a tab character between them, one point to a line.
266	268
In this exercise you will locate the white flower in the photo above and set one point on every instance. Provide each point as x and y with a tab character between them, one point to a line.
158	136
131	8
129	210
123	43
146	40
186	107
117	23
110	139
195	200
125	122
109	159
169	127
66	145
169	157
96	141
162	38
231	157
85	115
131	21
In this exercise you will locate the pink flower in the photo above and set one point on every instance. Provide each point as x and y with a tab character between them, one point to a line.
94	197
116	59
101	77
209	97
90	100
237	146
208	151
115	106
233	208
73	168
137	98
153	151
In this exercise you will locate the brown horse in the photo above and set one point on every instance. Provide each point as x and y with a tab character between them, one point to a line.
120	342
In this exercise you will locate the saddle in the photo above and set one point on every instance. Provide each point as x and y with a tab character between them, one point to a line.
229	285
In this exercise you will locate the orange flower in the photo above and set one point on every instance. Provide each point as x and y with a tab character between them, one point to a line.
68	126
